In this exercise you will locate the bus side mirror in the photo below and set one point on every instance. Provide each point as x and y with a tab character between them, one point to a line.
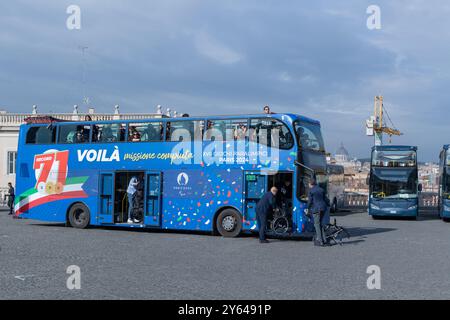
420	187
368	180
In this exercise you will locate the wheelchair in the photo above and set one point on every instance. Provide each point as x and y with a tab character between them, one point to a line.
281	220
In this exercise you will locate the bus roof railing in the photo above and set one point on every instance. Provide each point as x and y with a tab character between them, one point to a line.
50	119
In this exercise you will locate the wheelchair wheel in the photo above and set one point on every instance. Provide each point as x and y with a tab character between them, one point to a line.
280	225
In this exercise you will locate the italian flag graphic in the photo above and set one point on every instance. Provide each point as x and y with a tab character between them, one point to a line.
33	198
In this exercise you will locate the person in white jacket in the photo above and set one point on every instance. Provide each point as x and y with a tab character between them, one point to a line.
131	193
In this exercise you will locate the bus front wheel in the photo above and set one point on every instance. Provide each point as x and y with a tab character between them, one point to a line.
79	216
229	223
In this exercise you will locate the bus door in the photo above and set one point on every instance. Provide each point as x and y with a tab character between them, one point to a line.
255	187
152	207
106	194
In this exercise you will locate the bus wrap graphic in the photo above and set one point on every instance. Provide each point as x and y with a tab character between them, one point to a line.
52	183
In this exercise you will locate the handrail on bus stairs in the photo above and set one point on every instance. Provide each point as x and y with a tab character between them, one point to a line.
123	203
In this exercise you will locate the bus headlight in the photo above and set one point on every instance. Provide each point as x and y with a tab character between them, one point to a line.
446	208
374	207
413	207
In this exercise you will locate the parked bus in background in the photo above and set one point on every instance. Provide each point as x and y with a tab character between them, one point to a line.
393	182
336	186
444	184
194	173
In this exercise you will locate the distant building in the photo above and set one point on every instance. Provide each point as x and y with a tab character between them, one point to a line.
9	134
342	154
356	171
429	176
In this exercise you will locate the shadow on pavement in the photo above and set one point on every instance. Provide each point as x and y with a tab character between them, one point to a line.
359	232
347	212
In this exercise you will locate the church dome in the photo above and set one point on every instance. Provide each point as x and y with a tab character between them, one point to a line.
341	151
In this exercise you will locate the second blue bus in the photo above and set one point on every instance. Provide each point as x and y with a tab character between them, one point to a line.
393	182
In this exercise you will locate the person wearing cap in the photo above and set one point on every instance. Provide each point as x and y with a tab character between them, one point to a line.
318	204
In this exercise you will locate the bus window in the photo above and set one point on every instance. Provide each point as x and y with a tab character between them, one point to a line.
74	133
41	135
271	132
184	130
218	130
151	132
241	130
309	136
133	133
110	132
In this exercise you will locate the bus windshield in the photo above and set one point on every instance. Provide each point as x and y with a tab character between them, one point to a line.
309	136
400	183
394	158
446	183
447	163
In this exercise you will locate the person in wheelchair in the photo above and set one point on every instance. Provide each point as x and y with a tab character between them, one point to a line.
280	219
284	196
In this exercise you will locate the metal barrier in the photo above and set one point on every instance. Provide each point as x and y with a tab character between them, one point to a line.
355	201
3	197
428	200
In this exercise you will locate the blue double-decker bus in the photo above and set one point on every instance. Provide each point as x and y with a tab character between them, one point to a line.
193	173
444	184
393	182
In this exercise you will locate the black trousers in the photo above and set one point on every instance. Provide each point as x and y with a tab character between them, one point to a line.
11	204
261	219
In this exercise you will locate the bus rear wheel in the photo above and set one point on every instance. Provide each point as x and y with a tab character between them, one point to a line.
79	216
229	223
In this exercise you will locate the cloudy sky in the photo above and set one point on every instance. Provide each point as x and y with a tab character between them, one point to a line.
315	58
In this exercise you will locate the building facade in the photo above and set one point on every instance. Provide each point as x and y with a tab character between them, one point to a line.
9	134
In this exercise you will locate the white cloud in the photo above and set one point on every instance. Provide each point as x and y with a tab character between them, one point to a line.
215	50
285	77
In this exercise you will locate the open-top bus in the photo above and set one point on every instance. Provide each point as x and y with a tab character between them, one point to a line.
393	182
195	173
444	184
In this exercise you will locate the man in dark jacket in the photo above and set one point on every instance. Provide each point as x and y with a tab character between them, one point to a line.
11	196
264	206
318	205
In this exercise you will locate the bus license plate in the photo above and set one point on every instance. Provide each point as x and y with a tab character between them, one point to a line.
393	211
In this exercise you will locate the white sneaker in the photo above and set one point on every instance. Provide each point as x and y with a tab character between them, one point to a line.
136	221
130	221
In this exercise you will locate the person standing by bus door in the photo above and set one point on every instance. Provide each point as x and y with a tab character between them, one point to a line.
131	193
265	205
11	196
318	205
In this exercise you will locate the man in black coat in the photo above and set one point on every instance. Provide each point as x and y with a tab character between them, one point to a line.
264	206
318	205
11	196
